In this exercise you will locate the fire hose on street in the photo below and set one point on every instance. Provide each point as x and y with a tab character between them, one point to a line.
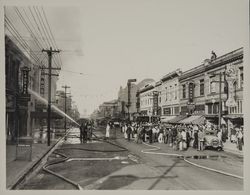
152	151
65	158
155	148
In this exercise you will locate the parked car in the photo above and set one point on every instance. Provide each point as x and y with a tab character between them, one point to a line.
212	141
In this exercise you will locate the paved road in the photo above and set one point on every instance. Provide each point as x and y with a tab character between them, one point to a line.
116	168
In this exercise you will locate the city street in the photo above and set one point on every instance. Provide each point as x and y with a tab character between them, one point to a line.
119	164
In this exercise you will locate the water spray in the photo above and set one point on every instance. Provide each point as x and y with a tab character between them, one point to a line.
53	107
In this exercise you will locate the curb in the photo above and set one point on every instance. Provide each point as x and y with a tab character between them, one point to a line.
34	165
241	154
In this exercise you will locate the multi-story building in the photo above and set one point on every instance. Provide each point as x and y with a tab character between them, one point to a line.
25	87
146	99
134	99
217	80
109	109
170	95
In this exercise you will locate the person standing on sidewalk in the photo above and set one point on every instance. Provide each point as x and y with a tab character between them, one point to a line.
107	131
201	140
195	134
82	133
129	131
184	139
239	137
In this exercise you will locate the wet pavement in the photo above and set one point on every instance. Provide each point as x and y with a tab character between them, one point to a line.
102	164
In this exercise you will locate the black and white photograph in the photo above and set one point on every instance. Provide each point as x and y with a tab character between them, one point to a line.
125	95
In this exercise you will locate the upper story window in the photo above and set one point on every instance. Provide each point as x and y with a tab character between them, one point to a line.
184	91
166	94
170	92
241	80
202	87
175	92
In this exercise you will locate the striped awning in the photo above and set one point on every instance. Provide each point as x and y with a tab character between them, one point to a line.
195	119
177	119
165	119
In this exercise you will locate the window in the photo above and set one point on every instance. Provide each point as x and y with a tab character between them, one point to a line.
241	80
176	110
210	108
166	111
166	94
170	93
183	91
175	92
212	84
202	87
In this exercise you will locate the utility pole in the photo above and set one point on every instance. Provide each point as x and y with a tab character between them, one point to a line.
50	53
65	106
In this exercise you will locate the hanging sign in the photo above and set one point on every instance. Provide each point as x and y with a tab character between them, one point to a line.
231	76
191	92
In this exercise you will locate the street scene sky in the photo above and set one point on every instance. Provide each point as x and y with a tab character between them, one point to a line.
105	43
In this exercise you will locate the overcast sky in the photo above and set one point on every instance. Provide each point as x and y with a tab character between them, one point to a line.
111	41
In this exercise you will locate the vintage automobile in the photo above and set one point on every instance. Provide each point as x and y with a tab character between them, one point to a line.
212	141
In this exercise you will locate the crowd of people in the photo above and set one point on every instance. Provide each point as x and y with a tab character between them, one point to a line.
180	136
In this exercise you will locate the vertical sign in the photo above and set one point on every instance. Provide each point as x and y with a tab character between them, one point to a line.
155	102
191	92
231	75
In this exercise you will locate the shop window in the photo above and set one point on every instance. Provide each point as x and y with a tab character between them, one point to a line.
209	108
166	111
176	110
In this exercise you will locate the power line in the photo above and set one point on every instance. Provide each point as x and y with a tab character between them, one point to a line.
19	39
44	31
51	33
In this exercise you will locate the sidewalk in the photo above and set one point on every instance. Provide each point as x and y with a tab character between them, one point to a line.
17	169
232	148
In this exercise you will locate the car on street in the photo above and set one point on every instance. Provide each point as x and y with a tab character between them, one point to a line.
212	141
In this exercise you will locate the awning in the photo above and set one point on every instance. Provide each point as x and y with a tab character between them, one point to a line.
165	119
177	119
195	119
233	116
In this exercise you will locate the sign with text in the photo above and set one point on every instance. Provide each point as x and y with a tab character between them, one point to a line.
191	92
231	76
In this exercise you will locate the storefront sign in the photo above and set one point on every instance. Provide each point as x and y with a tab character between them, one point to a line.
155	103
191	92
231	75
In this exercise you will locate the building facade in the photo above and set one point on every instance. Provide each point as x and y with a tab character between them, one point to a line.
134	107
25	86
170	98
146	100
215	90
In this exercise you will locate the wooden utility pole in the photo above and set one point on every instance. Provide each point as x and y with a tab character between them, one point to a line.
50	53
65	106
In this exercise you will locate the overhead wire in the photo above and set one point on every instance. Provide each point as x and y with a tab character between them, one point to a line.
44	32
47	35
53	38
18	38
